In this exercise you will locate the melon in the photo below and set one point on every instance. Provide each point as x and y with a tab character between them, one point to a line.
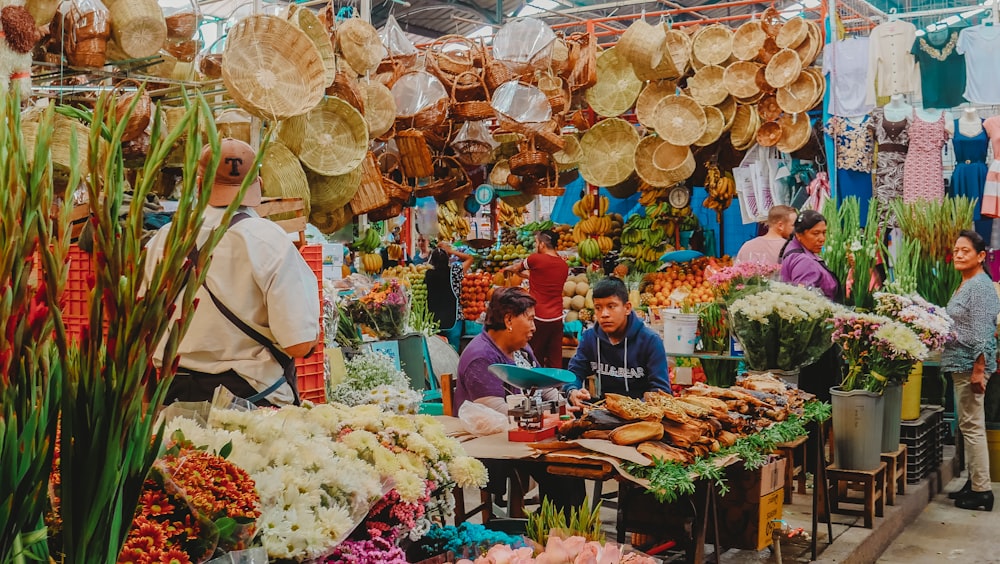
582	288
566	302
569	288
571	317
577	303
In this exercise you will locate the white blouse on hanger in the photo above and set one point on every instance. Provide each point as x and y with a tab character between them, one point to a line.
846	62
981	46
890	61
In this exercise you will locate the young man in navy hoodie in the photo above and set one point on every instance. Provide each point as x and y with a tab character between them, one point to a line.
626	355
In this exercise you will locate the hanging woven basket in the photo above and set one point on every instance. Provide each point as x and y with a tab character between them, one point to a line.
282	176
608	152
330	139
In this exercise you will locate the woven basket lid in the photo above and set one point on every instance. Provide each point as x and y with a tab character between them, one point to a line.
795	132
281	174
380	107
645	104
740	79
359	44
332	192
792	33
716	124
745	124
768	107
799	96
713	44
644	47
271	68
307	21
747	40
769	134
644	167
679	120
728	109
331	139
570	155
675	161
707	85
617	86
609	152
783	68
679	46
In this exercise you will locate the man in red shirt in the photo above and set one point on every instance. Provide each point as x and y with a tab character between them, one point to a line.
547	272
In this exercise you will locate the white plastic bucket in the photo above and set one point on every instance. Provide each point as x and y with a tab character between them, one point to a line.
680	331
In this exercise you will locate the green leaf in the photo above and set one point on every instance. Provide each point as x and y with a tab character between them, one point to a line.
226	450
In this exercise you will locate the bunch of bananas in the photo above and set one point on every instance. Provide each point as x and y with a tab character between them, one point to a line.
452	224
650	195
368	242
508	215
644	239
585	207
371	263
394	252
721	189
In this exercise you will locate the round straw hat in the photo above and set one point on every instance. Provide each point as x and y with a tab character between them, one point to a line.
676	162
799	96
380	107
281	175
740	79
713	44
359	44
795	132
617	86
331	139
716	124
679	46
331	192
792	33
644	167
747	40
708	86
650	96
644	47
728	109
310	24
769	134
768	107
271	68
783	68
745	124
608	152
679	120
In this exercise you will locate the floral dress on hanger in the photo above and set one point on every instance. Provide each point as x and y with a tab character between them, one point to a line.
991	192
855	147
923	178
893	140
969	176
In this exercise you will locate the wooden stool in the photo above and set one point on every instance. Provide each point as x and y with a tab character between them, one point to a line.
871	482
788	451
895	471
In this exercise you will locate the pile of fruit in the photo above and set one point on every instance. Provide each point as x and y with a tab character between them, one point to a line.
578	301
594	230
452	223
686	279
502	256
508	215
566	240
721	190
475	291
409	274
365	245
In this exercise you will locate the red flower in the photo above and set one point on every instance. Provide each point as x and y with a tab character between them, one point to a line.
175	556
155	502
133	556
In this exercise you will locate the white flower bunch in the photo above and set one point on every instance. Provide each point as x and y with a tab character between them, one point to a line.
902	340
373	378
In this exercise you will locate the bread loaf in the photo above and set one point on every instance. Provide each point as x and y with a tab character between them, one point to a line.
635	433
657	450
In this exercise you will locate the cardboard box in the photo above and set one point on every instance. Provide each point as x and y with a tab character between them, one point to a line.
754	501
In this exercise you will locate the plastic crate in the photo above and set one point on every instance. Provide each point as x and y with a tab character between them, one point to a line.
311	375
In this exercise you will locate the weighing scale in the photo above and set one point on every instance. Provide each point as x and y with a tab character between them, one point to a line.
530	414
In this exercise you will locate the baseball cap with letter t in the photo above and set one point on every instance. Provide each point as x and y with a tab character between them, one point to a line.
236	162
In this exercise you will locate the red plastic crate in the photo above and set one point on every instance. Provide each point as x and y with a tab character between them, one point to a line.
311	374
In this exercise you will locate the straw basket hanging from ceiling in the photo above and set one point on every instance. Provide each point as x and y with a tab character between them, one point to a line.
644	46
360	45
715	125
63	131
795	132
472	110
332	192
650	96
678	44
386	213
608	152
644	167
707	86
617	86
571	154
675	162
271	68
282	176
744	130
748	40
800	95
680	120
740	79
307	21
414	153
783	68
820	82
236	124
792	33
137	26
713	44
371	193
728	109
380	107
330	139
331	221
421	100
768	134
809	49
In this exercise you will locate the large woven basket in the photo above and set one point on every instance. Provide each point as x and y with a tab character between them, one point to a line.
272	69
799	96
331	221
359	43
371	194
281	175
747	40
380	107
332	192
471	110
583	60
676	163
707	86
795	132
715	125
531	163
235	123
679	120
713	44
617	86
740	79
644	167
63	131
744	129
137	26
569	157
783	68
608	152
728	109
414	154
679	46
346	87
330	139
792	33
644	47
138	120
650	96
429	115
455	54
307	21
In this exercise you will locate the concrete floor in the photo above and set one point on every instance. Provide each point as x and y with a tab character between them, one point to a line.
944	533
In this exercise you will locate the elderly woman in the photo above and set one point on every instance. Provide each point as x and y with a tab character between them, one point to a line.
800	261
970	359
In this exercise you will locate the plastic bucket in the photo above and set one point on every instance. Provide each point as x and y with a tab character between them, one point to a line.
893	395
857	428
911	393
993	443
680	331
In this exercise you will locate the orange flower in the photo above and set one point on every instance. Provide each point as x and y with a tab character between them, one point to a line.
155	502
175	556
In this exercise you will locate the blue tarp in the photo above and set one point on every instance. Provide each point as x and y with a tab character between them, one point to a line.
562	211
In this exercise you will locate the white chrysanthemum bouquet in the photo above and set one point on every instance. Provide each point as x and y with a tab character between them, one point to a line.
372	378
931	323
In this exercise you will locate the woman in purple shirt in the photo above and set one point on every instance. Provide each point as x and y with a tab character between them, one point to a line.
801	265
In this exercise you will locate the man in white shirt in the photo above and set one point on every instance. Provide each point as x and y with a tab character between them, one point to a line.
766	249
259	276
